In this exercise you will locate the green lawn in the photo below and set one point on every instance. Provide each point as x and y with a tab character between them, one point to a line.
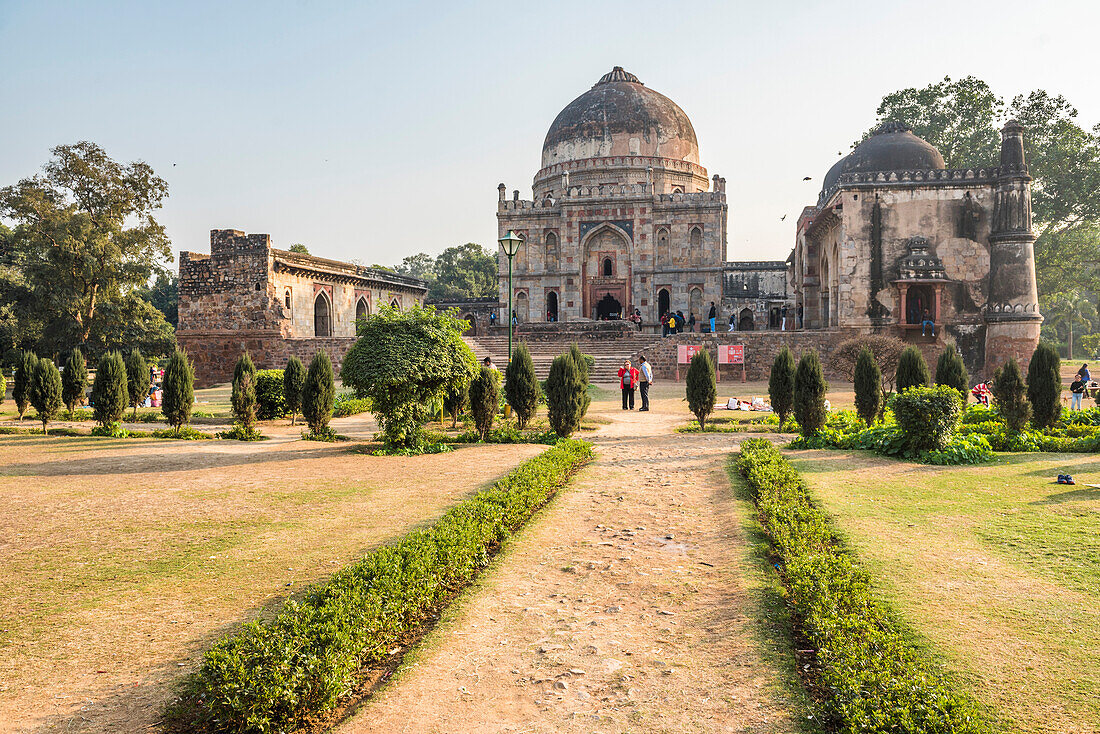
996	565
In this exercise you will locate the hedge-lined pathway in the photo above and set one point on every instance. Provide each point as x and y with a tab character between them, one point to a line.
626	606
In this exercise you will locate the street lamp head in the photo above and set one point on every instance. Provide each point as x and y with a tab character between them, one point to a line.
511	243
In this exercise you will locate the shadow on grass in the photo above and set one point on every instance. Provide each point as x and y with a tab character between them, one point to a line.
1073	495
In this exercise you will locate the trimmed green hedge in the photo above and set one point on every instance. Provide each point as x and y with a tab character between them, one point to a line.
272	676
347	404
269	395
872	677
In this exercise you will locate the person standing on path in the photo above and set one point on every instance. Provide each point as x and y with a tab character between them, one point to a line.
628	380
691	322
713	316
783	316
644	381
1077	389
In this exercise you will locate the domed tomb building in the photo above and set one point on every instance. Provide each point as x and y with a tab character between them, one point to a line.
623	214
897	239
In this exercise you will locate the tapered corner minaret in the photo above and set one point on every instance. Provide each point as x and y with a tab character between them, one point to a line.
1012	310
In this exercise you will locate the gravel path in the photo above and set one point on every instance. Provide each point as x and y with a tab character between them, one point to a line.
627	606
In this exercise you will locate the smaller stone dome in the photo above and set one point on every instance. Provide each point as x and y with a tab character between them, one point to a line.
891	147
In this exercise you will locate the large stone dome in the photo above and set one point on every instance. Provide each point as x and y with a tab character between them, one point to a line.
891	147
620	116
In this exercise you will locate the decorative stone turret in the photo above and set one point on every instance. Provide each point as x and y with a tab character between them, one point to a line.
1012	309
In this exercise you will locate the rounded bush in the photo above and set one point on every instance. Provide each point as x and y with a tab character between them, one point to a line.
928	416
269	394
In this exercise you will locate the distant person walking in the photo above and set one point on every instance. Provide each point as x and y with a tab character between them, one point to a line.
783	318
492	318
713	316
645	381
514	319
628	381
691	322
680	322
800	315
733	322
1077	389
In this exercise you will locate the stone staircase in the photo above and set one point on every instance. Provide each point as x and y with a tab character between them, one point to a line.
609	347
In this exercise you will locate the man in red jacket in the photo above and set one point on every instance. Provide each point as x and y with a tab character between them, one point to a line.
628	381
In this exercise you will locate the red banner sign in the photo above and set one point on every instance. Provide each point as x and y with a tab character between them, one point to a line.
731	354
684	352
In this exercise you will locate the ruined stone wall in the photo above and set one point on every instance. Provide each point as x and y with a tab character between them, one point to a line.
214	355
230	289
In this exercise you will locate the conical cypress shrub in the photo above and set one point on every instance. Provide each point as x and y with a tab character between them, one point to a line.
318	394
781	385
1010	395
294	378
1044	386
583	361
74	381
110	395
809	394
566	395
912	370
244	401
21	383
179	390
244	364
46	391
868	386
702	390
521	387
137	379
951	371
485	399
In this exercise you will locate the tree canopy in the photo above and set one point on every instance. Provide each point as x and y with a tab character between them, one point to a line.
463	271
84	247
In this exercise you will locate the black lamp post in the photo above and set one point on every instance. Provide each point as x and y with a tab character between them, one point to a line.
510	243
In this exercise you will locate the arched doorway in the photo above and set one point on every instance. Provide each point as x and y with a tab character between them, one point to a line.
362	310
605	269
395	304
609	308
551	306
664	302
745	321
695	303
322	315
918	299
523	307
471	327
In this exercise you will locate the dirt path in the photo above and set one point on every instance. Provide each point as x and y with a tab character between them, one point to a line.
625	607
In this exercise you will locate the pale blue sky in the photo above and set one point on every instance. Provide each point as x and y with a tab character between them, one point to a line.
375	130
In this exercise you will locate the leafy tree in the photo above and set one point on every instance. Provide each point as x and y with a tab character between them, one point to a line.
420	265
1069	309
3	387
1010	395
1044	386
868	386
455	398
244	401
521	387
464	271
809	394
46	391
294	379
404	361
485	399
164	296
178	390
244	364
318	394
299	248
21	383
951	371
88	241
137	379
781	385
74	381
566	395
702	390
912	370
110	395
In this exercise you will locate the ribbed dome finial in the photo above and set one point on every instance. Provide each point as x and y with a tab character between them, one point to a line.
617	75
893	126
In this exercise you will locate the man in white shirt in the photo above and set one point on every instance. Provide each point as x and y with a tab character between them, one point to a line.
643	384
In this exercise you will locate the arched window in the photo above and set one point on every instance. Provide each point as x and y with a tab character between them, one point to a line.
677	189
551	251
520	260
322	315
395	304
695	256
362	310
664	302
523	308
286	298
662	246
695	303
608	267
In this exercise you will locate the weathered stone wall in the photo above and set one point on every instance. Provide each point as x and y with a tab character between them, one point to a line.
214	355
